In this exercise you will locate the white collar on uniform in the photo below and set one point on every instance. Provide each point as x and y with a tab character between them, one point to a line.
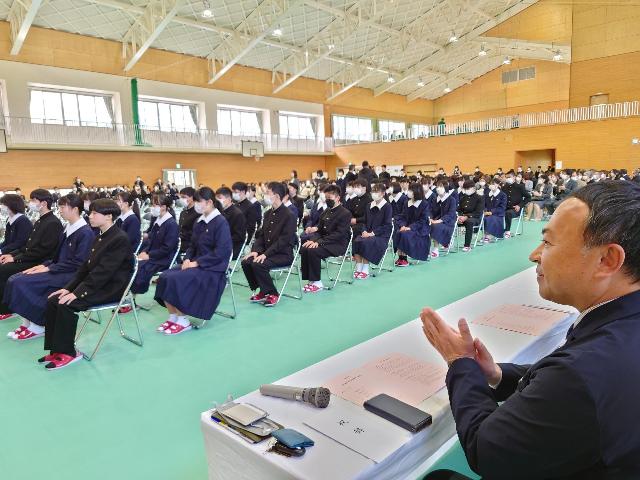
428	194
320	205
72	228
445	196
494	194
350	196
396	198
208	218
163	218
415	204
253	199
287	203
14	218
383	202
124	216
589	310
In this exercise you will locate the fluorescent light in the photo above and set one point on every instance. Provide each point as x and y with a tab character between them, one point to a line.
277	32
482	52
391	79
207	13
557	56
421	83
453	38
506	61
447	89
635	141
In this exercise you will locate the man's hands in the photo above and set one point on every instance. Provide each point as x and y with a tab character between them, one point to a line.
36	269
310	244
6	259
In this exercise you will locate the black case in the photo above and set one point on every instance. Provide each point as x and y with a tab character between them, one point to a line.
402	414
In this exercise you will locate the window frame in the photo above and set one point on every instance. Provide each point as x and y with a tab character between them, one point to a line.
169	103
65	120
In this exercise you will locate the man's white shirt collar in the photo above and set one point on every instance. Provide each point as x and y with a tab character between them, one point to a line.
208	218
73	228
163	218
589	310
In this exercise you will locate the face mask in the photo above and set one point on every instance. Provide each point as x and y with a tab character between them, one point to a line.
470	191
268	201
410	194
482	184
181	202
510	180
199	208
349	190
440	191
235	196
34	207
390	190
575	179
155	211
322	197
376	196
493	188
4	210
330	202
519	179
540	182
86	206
360	192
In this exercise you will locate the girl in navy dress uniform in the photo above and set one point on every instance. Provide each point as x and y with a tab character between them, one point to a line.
159	249
371	245
196	287
129	220
413	234
443	218
495	208
398	202
18	227
26	292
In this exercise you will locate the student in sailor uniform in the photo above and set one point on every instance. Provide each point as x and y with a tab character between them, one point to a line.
429	191
18	227
26	293
100	280
316	210
129	219
443	218
398	202
288	203
494	210
41	245
413	234
370	246
196	287
470	211
294	197
159	249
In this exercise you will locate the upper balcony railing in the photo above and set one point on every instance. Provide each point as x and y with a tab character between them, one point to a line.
24	131
509	122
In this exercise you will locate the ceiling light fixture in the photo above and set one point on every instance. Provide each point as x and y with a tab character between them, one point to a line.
421	82
482	52
277	32
390	79
453	38
506	61
447	89
557	56
206	12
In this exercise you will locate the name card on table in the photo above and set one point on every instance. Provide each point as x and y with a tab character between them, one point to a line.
527	319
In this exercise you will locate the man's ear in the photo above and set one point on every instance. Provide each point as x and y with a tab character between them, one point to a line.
612	257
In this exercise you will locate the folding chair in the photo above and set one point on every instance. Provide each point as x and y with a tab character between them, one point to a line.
340	260
520	226
475	231
137	250
288	271
127	299
380	267
454	238
171	265
237	261
479	228
229	285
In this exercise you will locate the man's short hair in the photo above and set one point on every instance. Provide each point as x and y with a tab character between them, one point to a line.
240	186
73	200
365	164
333	189
278	189
106	206
224	191
361	182
42	195
294	185
188	191
614	217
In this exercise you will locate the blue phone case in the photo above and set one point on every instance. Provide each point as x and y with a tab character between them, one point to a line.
292	438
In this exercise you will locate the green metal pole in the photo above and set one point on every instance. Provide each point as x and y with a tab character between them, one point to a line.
134	111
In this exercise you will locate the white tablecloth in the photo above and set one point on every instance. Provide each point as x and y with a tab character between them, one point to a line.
230	457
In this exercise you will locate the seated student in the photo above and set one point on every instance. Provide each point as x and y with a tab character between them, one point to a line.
26	293
494	209
359	205
41	245
159	249
18	227
539	196
517	198
239	195
398	202
370	246
272	248
196	287
296	200
316	210
251	197
412	238
404	186
349	193
234	217
428	188
288	203
188	217
330	238
129	219
87	198
101	279
470	211
443	217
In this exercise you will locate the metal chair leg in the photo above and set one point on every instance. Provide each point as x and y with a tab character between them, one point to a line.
233	301
137	341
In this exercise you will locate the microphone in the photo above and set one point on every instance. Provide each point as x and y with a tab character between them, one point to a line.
318	397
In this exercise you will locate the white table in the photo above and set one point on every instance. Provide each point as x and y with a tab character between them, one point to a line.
230	457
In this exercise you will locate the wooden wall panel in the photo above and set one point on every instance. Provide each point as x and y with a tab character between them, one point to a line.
30	169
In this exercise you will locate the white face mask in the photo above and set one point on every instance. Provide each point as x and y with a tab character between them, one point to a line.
86	206
267	200
322	197
181	202
390	190
235	196
360	192
410	194
199	208
482	184
440	191
34	207
575	179
470	191
4	210
155	211
376	196
510	180
493	188
349	190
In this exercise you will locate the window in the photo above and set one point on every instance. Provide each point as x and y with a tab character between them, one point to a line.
391	129
419	130
510	76
168	116
232	121
297	126
599	99
352	128
65	107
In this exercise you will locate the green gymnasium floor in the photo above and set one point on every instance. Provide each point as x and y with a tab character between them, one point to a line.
133	413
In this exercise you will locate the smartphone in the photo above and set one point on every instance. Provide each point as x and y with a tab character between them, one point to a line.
397	412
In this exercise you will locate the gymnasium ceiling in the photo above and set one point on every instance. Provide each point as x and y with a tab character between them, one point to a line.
405	47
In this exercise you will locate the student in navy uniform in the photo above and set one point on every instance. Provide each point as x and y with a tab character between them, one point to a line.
412	238
517	198
370	246
340	181
129	219
188	217
26	292
100	280
384	175
160	248
296	200
316	210
429	193
18	227
41	245
87	198
574	413
494	209
288	203
469	211
272	248
443	217
398	202
196	287
329	239
349	194
251	197
235	218
239	190
359	205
